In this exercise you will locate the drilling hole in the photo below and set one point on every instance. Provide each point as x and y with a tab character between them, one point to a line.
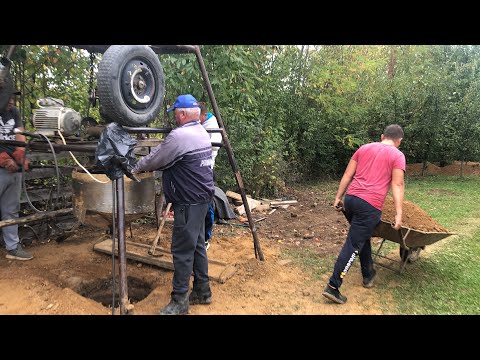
101	290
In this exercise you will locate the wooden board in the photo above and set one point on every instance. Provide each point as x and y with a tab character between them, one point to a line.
217	270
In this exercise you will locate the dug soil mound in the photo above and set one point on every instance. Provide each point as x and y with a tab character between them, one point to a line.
413	217
430	169
455	169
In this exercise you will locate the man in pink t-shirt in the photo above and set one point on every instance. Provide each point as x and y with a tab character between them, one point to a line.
372	170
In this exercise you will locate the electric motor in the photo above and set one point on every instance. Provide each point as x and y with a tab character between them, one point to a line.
51	119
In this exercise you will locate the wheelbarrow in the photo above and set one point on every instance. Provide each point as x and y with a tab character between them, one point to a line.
411	241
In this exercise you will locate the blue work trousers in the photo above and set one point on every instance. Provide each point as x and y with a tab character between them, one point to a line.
209	219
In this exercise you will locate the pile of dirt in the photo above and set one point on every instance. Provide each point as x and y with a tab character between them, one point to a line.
455	169
469	168
430	169
413	217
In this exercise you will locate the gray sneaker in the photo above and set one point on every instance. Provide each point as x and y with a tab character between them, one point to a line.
18	254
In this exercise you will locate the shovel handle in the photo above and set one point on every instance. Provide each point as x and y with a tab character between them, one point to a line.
155	242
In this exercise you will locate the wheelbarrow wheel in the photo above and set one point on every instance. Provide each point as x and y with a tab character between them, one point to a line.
414	254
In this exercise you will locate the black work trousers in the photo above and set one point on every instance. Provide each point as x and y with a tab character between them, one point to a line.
363	219
188	246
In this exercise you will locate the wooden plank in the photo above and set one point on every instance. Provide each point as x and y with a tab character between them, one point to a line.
35	217
252	204
285	202
238	199
217	271
263	207
235	196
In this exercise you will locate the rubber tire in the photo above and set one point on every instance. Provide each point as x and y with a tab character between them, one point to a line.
113	107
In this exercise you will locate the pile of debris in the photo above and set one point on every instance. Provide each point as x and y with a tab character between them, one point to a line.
261	205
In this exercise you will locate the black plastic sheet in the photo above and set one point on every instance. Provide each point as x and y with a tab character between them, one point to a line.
115	152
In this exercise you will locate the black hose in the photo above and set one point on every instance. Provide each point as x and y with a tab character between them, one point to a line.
56	169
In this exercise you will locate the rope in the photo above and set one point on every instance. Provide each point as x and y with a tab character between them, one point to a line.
78	163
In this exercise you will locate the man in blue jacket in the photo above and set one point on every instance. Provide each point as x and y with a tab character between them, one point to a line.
185	157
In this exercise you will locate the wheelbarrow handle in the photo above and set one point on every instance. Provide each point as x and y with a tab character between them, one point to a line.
403	237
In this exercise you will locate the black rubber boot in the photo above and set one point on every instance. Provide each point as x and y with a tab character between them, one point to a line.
201	294
178	305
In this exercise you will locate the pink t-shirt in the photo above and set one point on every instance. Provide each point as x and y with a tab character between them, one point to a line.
373	176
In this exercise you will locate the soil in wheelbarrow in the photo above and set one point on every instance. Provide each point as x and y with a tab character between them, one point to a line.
414	217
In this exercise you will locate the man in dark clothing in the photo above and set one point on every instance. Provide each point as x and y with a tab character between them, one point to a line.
372	171
11	160
185	157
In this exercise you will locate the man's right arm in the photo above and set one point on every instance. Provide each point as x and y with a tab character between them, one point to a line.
398	188
346	180
161	157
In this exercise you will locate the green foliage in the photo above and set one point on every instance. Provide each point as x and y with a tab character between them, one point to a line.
53	71
298	112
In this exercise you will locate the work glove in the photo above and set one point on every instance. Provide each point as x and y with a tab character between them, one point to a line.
19	156
8	163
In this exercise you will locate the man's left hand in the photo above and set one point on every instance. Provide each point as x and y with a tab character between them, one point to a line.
19	156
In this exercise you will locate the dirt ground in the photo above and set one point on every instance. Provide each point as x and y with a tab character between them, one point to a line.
69	277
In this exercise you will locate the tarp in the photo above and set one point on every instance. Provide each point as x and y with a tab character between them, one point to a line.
222	206
115	152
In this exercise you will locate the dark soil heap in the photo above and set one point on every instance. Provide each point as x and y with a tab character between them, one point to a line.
413	217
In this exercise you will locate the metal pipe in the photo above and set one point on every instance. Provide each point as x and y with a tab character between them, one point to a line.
45	147
158	49
121	245
35	145
147	130
42	146
233	163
